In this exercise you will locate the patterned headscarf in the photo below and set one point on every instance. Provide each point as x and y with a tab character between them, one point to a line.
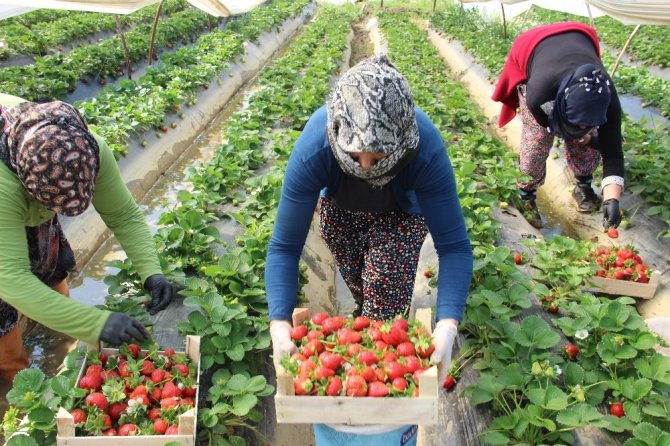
582	99
53	153
372	110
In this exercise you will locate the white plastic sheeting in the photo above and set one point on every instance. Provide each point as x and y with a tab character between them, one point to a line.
630	12
219	8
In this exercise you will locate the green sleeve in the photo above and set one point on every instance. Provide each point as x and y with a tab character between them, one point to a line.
113	201
20	288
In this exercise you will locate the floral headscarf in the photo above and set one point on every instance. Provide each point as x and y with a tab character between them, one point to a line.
53	153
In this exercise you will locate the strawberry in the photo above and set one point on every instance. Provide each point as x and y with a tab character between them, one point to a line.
147	368
90	382
102	357
169	352
389	356
322	372
109	433
427	273
449	382
103	81
183	369
425	352
94	369
313	347
616	409
399	384
154	413
318	318
331	324
518	259
315	334
189	391
377	389
354	349
375	333
170	390
334	386
79	416
172	430
187	402
127	429
381	346
302	386
394	370
169	402
160	426
572	350
356	385
116	410
299	332
139	390
134	350
157	376
367	357
401	323
612	233
165	129
552	309
360	323
96	399
405	349
107	420
331	360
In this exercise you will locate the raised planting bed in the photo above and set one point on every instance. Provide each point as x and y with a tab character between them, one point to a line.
420	409
144	433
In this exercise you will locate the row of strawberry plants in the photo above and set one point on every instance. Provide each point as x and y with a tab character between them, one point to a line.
132	107
228	290
646	157
53	77
540	396
36	36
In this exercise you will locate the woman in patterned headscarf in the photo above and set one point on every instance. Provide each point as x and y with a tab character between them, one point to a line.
555	77
385	180
50	164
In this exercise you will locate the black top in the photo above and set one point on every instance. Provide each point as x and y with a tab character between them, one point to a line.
552	60
355	194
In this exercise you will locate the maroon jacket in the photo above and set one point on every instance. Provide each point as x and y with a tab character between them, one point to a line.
515	70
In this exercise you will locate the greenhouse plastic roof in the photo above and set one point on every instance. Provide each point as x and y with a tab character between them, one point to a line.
630	12
219	8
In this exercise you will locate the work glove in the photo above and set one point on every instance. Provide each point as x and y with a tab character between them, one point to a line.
161	293
121	328
444	336
611	213
280	332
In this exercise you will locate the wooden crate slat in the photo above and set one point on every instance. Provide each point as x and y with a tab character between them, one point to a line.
626	287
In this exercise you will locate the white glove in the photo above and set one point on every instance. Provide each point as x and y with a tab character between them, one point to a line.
280	332
444	336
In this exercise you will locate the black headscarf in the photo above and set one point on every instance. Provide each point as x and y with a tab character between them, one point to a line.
582	100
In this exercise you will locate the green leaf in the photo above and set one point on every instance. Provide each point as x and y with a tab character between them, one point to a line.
494	438
61	385
535	332
236	353
256	384
635	389
242	404
579	415
29	379
21	440
551	398
573	373
198	321
650	434
41	415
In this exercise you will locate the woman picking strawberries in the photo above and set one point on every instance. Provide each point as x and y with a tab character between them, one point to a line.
50	164
383	179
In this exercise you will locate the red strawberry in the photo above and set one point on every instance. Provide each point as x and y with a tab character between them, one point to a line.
616	409
360	323
367	357
425	352
108	420
127	429
170	390
90	382
399	384
613	233
182	368
334	386
109	433
139	390
147	368
94	369
299	332
160	426
172	430
189	391
313	347
354	349
552	308
377	389
169	402
572	350
322	372
356	386
124	371
116	409
157	376
134	350
389	356
302	386
518	259
401	324
394	370
375	333
79	416
381	346
427	273
315	334
154	413
318	318
405	349
169	352
331	360
187	402
103	358
96	399
331	324
412	363
449	382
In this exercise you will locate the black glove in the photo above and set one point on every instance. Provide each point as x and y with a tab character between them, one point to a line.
611	213
121	328
161	292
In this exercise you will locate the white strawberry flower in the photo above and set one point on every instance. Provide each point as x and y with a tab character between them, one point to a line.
582	334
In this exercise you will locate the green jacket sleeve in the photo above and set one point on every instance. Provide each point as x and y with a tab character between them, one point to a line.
113	201
20	288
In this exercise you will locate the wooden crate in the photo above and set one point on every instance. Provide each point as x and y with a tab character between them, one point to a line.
358	410
613	287
187	420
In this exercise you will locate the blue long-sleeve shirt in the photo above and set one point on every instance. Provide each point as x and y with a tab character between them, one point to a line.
425	186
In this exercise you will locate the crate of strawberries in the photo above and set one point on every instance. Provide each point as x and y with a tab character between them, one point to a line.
622	272
346	369
134	397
